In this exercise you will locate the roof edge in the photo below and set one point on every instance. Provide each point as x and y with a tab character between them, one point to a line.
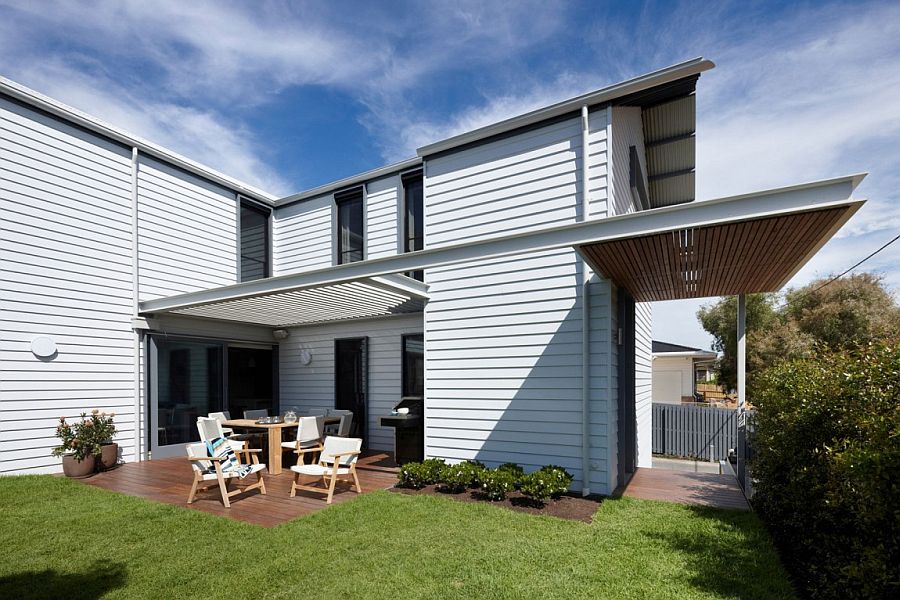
70	114
377	173
629	86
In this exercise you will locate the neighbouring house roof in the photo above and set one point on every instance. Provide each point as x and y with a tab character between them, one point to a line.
29	97
663	349
759	258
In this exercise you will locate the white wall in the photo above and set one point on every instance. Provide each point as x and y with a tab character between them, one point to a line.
65	272
383	201
187	232
303	236
673	378
643	382
503	336
311	387
626	130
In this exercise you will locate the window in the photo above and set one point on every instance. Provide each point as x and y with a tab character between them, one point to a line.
254	240
350	238
414	365
413	224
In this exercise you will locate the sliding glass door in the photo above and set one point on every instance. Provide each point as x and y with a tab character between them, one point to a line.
190	378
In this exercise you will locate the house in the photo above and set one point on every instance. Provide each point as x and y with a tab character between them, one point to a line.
503	275
677	370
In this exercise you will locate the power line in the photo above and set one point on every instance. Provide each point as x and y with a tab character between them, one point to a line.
836	277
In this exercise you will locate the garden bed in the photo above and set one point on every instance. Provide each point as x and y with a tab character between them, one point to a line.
575	508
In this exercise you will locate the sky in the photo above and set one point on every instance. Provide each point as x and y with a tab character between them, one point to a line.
290	95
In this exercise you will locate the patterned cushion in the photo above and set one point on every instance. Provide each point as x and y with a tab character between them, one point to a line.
219	447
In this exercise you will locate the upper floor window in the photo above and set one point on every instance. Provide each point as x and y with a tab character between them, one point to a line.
413	368
255	242
350	237
413	222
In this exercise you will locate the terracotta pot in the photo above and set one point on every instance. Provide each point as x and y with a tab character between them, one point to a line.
109	456
78	468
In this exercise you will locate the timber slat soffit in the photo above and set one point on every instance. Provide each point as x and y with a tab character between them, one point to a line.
758	255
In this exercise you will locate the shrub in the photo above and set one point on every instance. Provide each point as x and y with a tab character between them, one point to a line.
432	469
475	470
455	478
513	469
497	483
560	479
827	463
412	475
85	437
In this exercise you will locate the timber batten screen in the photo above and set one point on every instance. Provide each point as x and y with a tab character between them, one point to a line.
758	255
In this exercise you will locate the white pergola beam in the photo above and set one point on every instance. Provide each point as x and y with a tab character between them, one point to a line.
817	195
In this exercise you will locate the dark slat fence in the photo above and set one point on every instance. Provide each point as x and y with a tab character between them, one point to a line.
702	432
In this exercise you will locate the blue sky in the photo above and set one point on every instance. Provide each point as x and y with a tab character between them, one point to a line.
291	95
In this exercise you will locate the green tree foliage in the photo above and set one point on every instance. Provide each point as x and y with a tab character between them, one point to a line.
827	462
852	310
720	320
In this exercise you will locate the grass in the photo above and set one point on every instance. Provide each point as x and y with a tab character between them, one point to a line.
62	539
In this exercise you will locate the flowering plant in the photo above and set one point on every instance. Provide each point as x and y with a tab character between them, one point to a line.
84	438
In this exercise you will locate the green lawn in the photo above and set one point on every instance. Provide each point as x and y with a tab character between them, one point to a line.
62	539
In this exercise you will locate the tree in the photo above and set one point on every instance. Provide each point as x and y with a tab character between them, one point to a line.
720	320
813	319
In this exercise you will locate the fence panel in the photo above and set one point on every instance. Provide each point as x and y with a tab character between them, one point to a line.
704	432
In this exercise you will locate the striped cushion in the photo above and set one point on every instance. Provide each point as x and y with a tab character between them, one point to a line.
219	447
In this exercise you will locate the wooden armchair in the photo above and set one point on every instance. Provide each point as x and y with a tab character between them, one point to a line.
209	469
337	461
309	438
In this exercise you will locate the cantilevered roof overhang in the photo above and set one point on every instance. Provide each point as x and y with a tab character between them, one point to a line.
740	244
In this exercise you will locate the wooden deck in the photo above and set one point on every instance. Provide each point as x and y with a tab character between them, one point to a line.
169	480
700	489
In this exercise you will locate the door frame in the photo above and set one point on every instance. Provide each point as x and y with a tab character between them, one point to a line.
627	409
364	378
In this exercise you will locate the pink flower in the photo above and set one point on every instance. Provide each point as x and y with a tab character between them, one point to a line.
62	419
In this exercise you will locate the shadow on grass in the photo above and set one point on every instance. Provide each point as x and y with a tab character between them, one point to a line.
94	582
730	554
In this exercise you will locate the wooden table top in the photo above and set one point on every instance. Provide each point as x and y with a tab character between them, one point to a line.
252	423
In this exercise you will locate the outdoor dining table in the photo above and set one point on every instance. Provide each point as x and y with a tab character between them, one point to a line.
273	464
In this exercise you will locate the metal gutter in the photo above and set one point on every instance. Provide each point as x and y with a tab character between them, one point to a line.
392	169
607	94
67	113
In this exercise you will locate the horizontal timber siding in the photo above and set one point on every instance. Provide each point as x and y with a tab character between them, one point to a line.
65	272
304	236
311	387
503	336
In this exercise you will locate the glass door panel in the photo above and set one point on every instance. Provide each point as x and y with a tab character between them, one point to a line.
251	381
186	383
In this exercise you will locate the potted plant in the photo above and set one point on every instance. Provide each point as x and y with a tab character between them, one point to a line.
104	429
77	447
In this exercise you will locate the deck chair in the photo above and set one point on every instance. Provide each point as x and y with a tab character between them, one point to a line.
228	431
209	469
343	428
337	461
309	438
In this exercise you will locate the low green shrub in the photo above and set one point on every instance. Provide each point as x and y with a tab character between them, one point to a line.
497	483
513	469
455	478
475	470
412	475
547	482
432	469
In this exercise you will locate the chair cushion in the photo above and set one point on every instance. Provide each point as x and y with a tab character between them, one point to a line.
228	474
317	470
222	448
308	444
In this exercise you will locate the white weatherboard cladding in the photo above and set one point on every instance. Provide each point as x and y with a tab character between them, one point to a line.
303	236
598	163
65	273
311	387
643	382
626	130
382	216
187	238
503	336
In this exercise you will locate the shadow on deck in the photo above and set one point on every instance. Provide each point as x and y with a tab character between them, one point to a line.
169	480
698	489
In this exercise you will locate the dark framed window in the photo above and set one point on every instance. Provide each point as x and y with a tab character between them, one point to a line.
255	241
350	236
413	365
413	221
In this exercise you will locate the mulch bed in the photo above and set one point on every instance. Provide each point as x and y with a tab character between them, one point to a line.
575	508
